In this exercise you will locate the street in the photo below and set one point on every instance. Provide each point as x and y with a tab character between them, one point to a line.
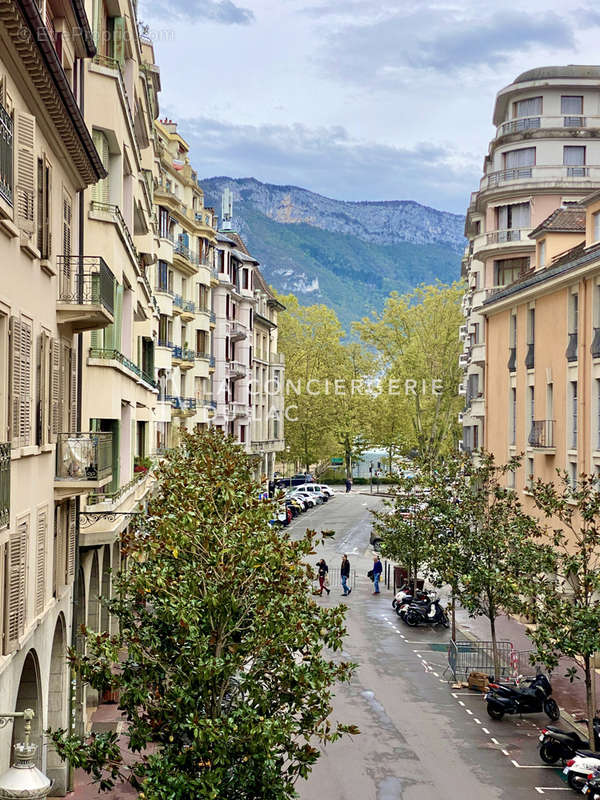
419	738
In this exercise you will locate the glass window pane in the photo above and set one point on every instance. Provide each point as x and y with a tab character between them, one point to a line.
529	107
571	105
573	156
520	158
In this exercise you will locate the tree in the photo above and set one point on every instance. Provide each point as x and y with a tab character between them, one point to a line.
220	659
565	601
416	336
389	422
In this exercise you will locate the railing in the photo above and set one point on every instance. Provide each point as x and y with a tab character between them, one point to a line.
532	123
6	156
85	280
530	356
277	359
571	351
522	124
4	484
595	346
237	330
190	306
236	368
182	250
203	356
213	316
542	433
508	235
178	300
116	355
112	497
512	359
115	211
212	362
164	290
182	403
83	456
113	64
549	173
165	343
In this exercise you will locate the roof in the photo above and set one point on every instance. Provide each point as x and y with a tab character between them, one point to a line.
243	256
563	220
568	72
225	239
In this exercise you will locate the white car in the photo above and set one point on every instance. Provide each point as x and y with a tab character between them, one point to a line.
315	489
312	498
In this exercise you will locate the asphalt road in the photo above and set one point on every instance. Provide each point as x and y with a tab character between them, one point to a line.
419	738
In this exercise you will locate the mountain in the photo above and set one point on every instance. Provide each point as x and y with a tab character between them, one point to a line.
348	255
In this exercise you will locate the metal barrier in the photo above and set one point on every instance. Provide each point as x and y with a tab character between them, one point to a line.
466	656
335	579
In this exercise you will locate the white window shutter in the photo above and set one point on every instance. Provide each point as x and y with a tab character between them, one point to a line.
100	190
15	382
44	392
71	541
40	563
73	398
25	169
25	377
67	220
16	587
55	391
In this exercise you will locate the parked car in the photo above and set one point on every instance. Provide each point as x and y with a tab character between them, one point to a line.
311	499
299	479
314	488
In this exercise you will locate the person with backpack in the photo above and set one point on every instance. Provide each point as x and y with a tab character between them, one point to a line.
377	570
323	569
345	574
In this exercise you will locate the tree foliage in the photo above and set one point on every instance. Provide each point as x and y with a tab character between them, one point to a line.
220	661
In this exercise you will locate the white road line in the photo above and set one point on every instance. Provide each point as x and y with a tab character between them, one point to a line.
468	710
495	741
485	730
436	674
531	766
542	789
453	694
476	720
460	703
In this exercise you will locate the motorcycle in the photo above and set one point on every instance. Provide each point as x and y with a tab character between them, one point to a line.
421	598
556	744
579	768
429	612
591	788
504	699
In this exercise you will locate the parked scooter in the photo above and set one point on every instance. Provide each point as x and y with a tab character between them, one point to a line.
420	598
591	788
428	612
504	699
556	744
578	768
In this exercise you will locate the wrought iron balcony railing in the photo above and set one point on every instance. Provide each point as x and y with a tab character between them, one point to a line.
542	433
83	457
4	484
184	251
115	212
116	355
85	280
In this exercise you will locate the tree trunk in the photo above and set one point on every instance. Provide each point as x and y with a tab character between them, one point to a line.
590	699
494	646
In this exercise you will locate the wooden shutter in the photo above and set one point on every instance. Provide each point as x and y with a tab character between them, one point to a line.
55	391
67	221
73	387
70	571
16	586
25	378
15	382
40	560
44	389
25	164
63	385
100	190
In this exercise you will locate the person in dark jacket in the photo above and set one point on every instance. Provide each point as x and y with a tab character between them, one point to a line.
323	570
348	485
345	574
377	570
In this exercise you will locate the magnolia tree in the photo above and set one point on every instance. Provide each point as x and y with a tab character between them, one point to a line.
221	662
566	605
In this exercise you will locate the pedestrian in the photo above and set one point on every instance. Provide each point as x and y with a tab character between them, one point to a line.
323	570
377	570
345	574
348	485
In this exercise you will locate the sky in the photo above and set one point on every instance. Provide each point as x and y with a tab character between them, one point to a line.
354	99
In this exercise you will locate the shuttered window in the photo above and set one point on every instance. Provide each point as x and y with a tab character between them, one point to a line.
16	586
73	389
43	388
40	560
55	390
70	565
25	179
100	190
67	222
43	208
20	381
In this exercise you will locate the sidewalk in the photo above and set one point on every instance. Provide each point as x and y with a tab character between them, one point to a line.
569	696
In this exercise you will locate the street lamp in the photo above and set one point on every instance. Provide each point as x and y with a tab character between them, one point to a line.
23	779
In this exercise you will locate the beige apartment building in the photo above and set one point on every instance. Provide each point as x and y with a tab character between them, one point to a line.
545	155
51	293
182	284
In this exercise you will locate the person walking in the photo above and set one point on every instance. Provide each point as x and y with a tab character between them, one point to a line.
345	574
323	570
348	485
377	570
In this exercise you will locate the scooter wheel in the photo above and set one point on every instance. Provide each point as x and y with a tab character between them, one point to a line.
445	620
495	713
412	620
552	710
394	603
399	611
550	752
575	781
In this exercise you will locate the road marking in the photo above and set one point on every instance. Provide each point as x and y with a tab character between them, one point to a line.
542	789
531	766
505	752
468	710
485	730
460	703
476	720
436	674
495	741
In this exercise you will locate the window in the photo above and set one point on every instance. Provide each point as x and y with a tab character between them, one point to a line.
573	313
549	401
571	104
43	208
6	156
67	220
573	400
596	224
163	276
512	216
25	177
508	270
20	381
16	585
163	223
242	433
574	160
573	474
530	406
542	253
163	330
525	157
244	279
513	416
101	189
530	107
530	473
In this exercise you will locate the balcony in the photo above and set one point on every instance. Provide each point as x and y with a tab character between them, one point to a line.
113	213
182	357
530	356
164	290
212	364
4	484
533	123
177	304
235	370
541	436
185	258
277	360
188	310
237	331
478	353
83	461
107	354
571	351
200	356
512	359
213	318
183	406
86	289
239	408
508	235
557	176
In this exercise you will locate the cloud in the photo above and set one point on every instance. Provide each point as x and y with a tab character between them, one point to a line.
224	12
437	40
330	161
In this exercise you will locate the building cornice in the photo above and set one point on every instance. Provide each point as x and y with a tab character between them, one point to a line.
47	76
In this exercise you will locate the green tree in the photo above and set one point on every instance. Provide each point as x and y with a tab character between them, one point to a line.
389	422
565	601
220	660
416	337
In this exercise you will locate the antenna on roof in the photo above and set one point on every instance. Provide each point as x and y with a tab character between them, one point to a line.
227	210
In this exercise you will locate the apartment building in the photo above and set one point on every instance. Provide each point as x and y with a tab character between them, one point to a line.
268	380
182	284
120	391
544	155
51	294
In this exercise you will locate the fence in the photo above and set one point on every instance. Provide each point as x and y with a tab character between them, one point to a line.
335	579
466	656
